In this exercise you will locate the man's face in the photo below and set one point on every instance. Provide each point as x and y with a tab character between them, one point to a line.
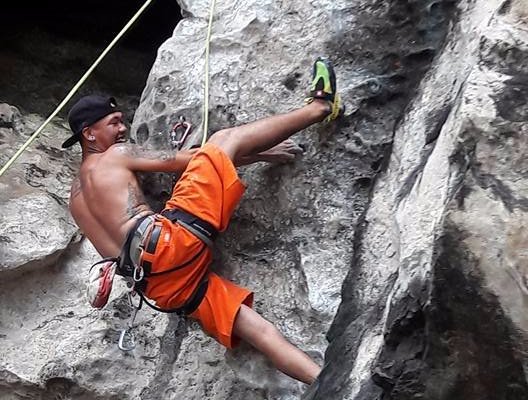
109	130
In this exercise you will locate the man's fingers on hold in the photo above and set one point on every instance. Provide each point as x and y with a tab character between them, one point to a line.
297	150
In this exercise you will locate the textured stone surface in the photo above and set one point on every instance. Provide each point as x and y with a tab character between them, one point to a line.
399	237
291	239
444	233
35	225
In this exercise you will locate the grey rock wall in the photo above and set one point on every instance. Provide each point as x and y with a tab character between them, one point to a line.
392	251
292	237
435	304
35	225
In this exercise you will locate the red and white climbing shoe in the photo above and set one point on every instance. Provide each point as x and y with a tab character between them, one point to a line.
100	280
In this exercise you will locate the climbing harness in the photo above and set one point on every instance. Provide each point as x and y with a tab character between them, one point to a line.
75	88
200	228
135	264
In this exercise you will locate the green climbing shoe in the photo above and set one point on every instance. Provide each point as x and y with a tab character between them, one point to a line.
323	87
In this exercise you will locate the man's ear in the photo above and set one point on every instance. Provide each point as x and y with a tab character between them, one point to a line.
87	134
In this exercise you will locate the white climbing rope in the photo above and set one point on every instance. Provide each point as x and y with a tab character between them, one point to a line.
206	78
99	59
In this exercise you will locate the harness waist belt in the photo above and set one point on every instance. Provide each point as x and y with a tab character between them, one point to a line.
203	230
139	239
145	235
144	238
131	250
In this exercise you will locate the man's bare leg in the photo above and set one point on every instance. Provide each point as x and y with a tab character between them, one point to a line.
259	136
246	141
264	336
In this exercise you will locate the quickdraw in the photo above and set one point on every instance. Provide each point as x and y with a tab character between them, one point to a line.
177	137
126	338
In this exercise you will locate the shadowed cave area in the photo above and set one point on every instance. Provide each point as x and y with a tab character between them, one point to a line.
48	46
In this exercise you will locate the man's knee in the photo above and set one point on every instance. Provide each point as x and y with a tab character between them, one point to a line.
227	141
222	137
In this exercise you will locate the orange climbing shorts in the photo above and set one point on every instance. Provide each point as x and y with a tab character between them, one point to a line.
210	189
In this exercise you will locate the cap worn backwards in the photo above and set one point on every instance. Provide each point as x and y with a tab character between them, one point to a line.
87	111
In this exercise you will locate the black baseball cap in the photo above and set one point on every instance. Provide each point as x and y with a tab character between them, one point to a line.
87	111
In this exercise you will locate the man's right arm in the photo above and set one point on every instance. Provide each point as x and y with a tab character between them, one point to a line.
137	158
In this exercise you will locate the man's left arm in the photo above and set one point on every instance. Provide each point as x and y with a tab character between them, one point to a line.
139	159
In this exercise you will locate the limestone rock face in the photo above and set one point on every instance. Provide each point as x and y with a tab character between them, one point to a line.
444	233
35	224
392	251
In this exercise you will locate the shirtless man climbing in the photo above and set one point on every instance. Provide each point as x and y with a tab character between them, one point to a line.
109	207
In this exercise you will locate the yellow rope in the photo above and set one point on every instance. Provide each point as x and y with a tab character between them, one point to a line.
75	88
206	90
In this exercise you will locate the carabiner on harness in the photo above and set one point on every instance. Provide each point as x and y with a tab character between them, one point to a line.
139	274
179	133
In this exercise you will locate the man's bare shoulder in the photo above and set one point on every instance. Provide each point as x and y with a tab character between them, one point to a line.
121	154
134	151
123	150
